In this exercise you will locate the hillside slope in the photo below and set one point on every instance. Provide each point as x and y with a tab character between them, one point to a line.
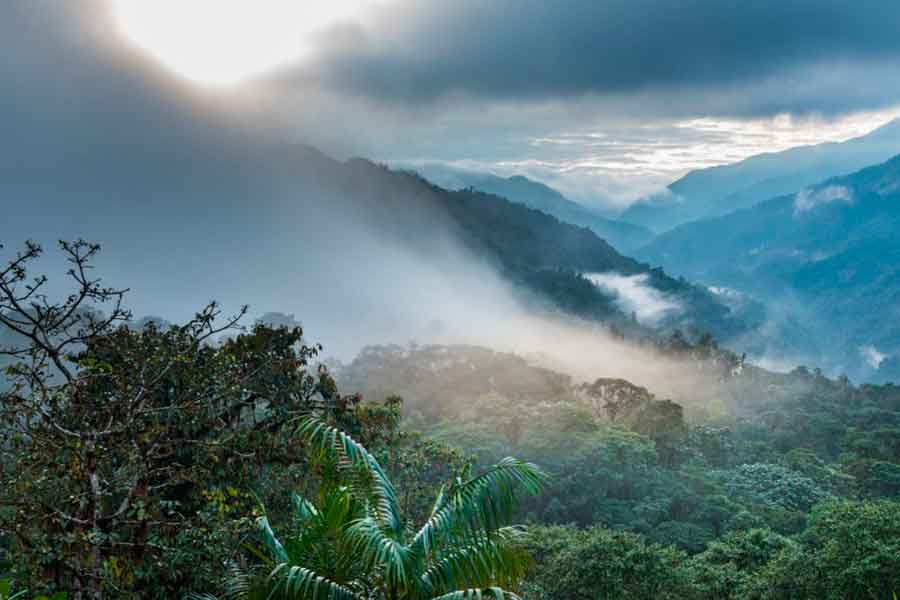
543	255
534	194
827	258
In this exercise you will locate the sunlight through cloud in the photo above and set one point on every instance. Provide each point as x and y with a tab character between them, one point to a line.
216	42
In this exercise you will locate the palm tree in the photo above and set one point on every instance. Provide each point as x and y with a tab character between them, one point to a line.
355	545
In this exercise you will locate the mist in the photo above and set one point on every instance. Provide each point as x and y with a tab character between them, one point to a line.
193	200
634	295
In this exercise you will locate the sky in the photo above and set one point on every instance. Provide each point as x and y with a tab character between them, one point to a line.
606	101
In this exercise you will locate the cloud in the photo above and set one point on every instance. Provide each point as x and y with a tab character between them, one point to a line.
808	199
634	295
758	57
607	102
872	356
611	164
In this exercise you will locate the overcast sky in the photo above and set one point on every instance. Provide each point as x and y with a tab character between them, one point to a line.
606	100
614	97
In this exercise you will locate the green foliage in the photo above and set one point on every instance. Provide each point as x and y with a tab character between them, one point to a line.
158	429
681	534
131	457
7	593
355	542
621	457
850	550
731	565
772	486
600	563
855	548
135	457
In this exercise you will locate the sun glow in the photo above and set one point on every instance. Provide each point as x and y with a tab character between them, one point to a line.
227	41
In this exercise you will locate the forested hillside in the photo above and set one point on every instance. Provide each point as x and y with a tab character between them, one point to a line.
823	260
540	254
379	213
721	494
533	194
200	459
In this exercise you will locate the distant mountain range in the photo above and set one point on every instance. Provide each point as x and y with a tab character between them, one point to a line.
719	190
534	194
377	212
826	260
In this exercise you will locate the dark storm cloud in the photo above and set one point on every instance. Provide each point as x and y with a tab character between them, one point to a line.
828	55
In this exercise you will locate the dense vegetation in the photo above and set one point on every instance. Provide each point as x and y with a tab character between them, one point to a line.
141	459
776	466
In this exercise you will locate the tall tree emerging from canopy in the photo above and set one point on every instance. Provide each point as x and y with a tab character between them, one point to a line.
354	543
126	454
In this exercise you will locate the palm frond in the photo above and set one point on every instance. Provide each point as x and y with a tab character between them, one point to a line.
493	560
296	582
239	584
274	546
494	593
376	549
303	508
483	503
320	539
362	470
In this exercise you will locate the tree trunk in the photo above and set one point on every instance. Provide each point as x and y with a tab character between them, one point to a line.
96	566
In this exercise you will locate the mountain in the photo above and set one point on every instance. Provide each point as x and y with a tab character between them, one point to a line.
533	194
826	260
716	191
556	261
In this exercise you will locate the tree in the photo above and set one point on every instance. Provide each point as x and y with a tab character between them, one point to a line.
850	550
773	486
600	563
354	542
731	564
855	549
418	465
619	400
682	534
633	406
126	454
600	474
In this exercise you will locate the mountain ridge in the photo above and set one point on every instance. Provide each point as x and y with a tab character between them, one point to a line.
540	196
828	255
541	253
